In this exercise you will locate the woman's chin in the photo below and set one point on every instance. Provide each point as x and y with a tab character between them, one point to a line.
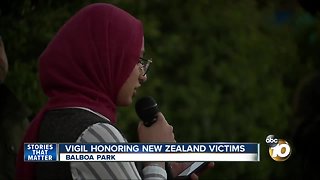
127	102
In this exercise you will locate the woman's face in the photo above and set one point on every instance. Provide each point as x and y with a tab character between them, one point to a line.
134	81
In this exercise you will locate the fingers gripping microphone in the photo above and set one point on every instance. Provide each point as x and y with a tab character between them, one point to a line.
147	109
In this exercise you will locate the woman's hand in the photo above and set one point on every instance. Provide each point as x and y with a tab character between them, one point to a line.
159	132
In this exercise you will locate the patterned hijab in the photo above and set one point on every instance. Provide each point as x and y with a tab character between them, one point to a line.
85	65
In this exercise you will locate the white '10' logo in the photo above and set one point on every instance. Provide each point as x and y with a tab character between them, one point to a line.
277	150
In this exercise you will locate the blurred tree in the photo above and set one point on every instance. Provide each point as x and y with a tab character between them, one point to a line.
220	73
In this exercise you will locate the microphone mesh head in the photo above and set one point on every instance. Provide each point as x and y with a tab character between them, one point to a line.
146	109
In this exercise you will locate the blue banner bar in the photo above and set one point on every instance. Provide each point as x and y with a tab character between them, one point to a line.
161	148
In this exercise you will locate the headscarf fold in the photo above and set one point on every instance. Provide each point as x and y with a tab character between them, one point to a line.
85	65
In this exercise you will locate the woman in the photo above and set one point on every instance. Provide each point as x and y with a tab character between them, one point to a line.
3	62
90	67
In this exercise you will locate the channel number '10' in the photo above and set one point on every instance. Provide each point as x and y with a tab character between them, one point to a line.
279	149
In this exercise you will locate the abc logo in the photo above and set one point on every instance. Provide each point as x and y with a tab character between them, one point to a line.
271	140
279	149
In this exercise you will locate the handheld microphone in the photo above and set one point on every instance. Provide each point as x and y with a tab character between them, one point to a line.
147	109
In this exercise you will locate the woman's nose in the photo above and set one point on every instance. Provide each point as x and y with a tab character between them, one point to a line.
143	78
